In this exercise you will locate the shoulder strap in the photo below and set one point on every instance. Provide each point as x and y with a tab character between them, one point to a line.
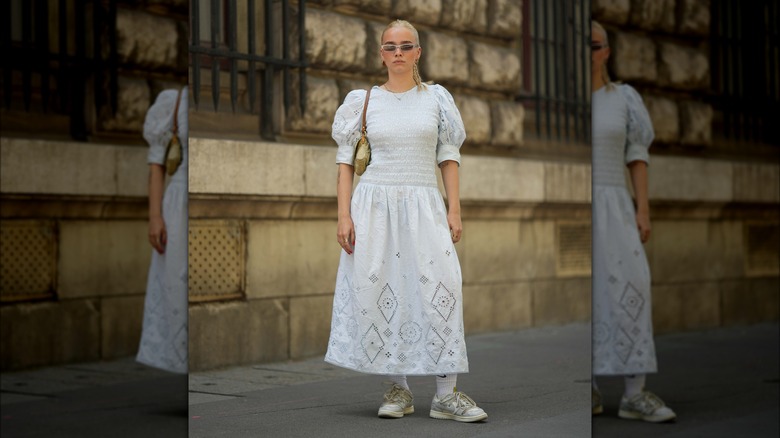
176	114
365	107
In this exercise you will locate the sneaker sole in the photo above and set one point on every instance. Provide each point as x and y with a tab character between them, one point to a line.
395	414
627	415
447	416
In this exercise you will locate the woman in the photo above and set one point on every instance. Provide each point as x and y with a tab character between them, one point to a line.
164	335
397	308
622	316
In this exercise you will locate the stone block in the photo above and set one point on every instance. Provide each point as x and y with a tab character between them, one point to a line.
132	171
690	179
611	11
381	7
373	54
346	85
146	40
291	258
696	123
444	58
121	320
102	258
633	57
501	179
494	68
322	100
756	182
688	306
727	252
504	18
653	14
320	171
465	15
750	301
494	307
48	167
418	11
567	182
475	113
507	124
694	17
50	333
133	100
332	40
666	118
682	252
242	167
557	302
309	325
682	67
236	333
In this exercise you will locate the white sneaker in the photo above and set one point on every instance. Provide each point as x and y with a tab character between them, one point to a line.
398	402
456	406
645	406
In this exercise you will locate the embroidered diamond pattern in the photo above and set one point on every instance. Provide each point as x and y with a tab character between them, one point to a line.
443	301
632	301
387	333
424	280
373	278
447	331
372	343
623	345
387	303
434	344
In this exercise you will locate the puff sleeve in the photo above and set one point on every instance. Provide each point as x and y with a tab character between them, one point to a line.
347	124
158	126
452	133
639	129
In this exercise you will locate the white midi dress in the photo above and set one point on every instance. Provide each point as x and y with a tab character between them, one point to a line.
622	312
398	303
164	336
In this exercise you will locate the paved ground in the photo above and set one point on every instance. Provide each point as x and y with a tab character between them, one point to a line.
532	383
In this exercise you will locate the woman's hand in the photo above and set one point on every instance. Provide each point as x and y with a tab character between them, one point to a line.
158	237
456	226
643	224
346	234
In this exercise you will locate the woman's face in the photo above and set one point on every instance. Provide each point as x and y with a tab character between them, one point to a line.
599	50
399	61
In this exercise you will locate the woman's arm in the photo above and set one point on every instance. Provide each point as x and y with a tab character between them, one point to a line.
638	170
157	234
346	229
449	174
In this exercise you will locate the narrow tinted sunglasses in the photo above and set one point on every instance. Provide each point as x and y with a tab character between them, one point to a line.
392	47
594	47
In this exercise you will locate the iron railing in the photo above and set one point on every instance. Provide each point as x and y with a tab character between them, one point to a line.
745	65
31	52
276	54
556	63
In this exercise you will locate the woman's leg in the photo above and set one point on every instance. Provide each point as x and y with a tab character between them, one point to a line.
399	380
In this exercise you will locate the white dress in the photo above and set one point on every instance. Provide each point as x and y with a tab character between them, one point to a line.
622	312
398	304
164	336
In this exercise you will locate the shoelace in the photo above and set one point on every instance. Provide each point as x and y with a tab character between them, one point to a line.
397	394
463	401
649	402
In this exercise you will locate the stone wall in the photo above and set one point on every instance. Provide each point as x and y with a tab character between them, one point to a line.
85	204
708	196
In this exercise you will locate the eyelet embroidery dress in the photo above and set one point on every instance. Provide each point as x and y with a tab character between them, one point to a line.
622	317
164	336
398	304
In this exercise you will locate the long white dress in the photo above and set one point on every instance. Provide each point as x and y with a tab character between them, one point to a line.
164	336
622	312
398	304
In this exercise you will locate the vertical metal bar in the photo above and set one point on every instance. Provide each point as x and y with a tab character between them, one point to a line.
215	25
42	41
286	53
565	13
547	67
233	49
195	42
537	85
78	126
63	90
7	76
302	55
267	127
97	55
572	95
113	58
27	19
556	31
251	72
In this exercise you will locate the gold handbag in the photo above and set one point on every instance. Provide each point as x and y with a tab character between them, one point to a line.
363	148
173	156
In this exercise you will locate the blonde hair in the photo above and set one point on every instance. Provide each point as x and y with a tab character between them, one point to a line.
405	24
595	25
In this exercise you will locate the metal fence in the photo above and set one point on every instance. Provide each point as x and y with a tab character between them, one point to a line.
745	65
47	56
219	50
556	60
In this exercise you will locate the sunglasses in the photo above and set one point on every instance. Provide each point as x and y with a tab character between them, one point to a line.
594	47
393	47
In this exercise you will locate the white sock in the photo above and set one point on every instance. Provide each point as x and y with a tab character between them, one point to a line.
634	384
593	382
399	380
445	384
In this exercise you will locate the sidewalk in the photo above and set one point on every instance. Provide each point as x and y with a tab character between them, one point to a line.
532	383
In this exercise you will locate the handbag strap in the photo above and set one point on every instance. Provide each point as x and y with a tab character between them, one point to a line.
365	107
176	114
